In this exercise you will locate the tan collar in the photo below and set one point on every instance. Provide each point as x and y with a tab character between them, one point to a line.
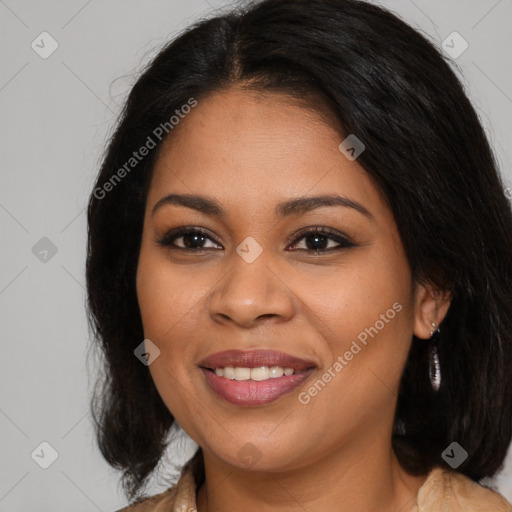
443	490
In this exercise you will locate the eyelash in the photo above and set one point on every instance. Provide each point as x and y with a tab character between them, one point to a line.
343	241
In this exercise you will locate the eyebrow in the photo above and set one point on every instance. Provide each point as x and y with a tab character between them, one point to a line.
296	206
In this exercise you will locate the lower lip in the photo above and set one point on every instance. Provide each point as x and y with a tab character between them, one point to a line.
251	392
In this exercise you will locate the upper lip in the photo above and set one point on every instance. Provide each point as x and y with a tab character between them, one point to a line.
254	359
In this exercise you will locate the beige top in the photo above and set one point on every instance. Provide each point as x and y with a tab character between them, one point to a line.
443	491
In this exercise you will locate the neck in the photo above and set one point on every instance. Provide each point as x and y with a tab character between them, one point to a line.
356	479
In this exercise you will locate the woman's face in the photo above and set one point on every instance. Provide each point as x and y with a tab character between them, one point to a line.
254	282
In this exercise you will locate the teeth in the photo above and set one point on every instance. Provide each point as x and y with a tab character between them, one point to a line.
242	373
257	374
276	371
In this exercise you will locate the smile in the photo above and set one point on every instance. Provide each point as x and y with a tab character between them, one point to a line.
258	374
251	392
256	377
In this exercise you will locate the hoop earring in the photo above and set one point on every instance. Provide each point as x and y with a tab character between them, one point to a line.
434	368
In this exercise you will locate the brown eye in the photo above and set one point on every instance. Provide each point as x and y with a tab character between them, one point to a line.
192	239
317	240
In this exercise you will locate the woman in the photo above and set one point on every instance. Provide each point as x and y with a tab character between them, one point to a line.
299	251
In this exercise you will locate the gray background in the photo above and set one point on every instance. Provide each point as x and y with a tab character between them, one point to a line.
56	115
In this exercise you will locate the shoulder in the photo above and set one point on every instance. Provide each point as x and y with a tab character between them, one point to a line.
454	492
157	503
181	496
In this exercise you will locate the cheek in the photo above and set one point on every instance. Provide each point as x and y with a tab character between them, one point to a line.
167	309
352	297
364	314
166	297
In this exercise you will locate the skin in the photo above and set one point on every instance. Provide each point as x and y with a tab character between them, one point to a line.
250	151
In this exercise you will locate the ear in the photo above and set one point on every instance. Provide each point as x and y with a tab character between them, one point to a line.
431	306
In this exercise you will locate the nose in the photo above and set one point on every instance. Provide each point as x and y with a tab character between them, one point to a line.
250	293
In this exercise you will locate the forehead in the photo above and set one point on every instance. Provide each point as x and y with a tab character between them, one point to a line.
256	148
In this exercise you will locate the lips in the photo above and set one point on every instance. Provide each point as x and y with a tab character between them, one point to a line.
254	359
253	393
250	392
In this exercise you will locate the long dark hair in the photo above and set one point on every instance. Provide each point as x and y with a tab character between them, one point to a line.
425	150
